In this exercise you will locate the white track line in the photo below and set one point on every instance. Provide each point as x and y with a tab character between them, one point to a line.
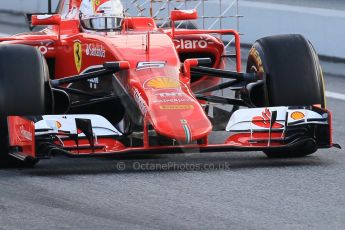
334	95
4	35
290	8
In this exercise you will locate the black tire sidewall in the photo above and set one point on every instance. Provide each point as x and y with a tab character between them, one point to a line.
266	57
293	75
24	91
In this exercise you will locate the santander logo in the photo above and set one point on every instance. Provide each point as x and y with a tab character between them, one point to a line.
264	121
95	50
25	133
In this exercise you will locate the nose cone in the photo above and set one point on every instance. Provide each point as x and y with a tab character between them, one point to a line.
179	116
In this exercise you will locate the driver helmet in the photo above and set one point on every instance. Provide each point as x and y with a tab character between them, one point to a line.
101	15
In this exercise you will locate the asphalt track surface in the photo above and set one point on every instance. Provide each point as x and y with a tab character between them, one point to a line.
198	191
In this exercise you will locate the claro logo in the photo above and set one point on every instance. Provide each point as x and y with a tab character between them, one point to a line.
186	44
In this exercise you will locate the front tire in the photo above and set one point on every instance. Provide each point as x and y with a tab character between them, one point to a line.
292	76
24	91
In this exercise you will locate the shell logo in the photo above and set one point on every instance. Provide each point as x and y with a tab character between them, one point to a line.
162	83
297	115
58	124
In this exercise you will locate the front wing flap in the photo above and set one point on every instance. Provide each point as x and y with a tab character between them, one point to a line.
254	129
257	127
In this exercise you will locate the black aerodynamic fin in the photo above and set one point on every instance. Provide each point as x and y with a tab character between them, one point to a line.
84	125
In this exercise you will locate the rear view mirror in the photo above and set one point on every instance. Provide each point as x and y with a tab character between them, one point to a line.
180	15
45	19
52	7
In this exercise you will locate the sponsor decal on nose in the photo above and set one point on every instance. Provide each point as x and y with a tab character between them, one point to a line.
162	83
177	107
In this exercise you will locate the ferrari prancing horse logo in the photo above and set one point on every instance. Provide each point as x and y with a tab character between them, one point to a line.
78	55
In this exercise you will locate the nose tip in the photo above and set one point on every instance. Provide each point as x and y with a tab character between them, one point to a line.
187	125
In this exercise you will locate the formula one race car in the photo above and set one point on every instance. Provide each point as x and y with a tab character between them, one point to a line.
97	82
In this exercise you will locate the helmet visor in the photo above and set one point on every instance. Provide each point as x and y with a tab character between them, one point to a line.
102	23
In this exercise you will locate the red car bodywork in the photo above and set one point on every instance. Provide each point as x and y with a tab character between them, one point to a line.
140	43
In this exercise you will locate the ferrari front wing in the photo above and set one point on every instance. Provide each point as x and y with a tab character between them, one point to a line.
254	129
